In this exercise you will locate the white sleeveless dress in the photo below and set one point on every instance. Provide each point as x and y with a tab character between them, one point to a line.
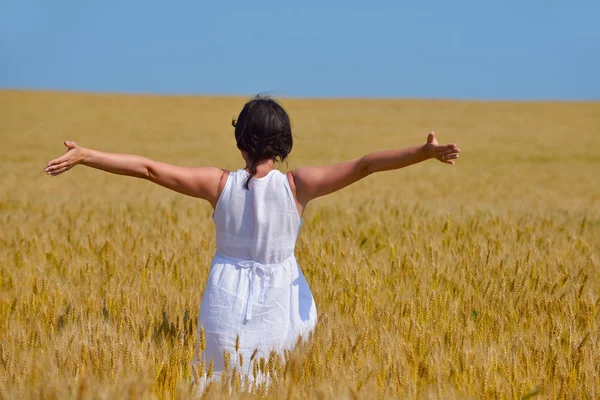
255	288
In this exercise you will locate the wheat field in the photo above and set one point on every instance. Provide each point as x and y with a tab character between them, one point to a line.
474	281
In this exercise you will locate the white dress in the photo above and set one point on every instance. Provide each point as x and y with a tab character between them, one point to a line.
255	288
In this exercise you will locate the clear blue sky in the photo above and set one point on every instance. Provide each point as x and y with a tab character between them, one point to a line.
510	49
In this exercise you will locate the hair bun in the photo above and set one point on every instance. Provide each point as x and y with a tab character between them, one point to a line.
263	130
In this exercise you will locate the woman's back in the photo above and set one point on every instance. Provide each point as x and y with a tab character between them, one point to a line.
256	299
260	223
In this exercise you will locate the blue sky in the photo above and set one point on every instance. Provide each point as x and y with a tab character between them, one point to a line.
511	49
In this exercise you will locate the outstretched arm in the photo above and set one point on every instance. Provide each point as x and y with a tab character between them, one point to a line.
202	182
312	182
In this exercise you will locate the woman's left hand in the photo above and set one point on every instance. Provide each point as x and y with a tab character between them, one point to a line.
73	156
445	153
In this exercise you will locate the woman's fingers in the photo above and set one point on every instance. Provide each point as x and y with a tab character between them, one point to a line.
431	137
446	153
70	144
65	162
447	149
448	158
56	167
451	151
60	171
59	160
68	155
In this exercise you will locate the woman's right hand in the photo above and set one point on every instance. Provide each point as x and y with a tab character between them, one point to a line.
71	158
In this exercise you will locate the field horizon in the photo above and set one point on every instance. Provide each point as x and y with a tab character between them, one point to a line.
279	95
479	280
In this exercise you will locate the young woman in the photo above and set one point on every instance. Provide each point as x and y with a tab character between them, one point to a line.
256	297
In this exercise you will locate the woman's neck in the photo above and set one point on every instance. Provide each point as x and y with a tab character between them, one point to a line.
263	167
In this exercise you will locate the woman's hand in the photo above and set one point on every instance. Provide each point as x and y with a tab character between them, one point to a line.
73	156
445	153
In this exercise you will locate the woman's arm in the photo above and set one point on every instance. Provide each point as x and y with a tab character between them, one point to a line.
202	182
312	182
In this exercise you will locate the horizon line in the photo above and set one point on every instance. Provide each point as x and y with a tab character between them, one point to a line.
272	94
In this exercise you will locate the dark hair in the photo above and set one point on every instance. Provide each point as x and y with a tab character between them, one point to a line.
264	131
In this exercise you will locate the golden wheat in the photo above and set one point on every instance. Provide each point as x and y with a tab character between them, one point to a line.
479	280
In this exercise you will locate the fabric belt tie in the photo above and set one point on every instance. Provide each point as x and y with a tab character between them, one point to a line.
255	267
254	274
